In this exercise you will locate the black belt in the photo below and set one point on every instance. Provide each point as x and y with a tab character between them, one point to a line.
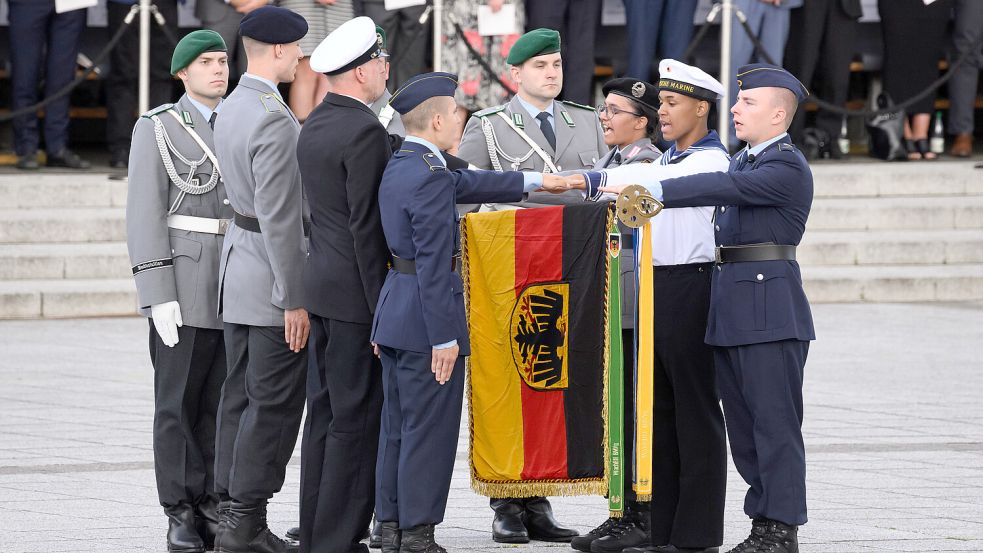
756	252
245	222
408	266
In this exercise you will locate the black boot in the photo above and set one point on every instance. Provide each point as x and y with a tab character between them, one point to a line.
670	549
375	536
222	511
246	531
539	522
389	536
507	527
779	538
293	533
208	521
182	534
759	526
629	531
419	539
582	543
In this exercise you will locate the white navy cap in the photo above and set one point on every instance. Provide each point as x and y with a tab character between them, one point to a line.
689	80
350	45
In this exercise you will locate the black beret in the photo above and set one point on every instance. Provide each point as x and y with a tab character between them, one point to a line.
645	94
273	25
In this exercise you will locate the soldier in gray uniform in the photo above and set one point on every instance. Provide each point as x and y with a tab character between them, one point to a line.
388	116
266	326
534	132
176	216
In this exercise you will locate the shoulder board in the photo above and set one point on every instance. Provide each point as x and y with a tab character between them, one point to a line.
785	147
576	105
489	111
433	161
270	103
158	110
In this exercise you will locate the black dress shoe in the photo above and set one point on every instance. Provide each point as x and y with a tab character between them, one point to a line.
292	534
28	162
207	521
375	536
779	538
629	531
539	522
182	535
759	526
68	159
245	531
582	543
119	159
419	539
389	536
507	526
670	549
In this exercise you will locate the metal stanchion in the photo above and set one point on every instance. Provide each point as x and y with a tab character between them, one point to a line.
438	24
143	94
726	27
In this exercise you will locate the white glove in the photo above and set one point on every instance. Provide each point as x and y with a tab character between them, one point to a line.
167	317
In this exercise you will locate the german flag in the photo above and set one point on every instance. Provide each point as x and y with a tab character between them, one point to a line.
536	289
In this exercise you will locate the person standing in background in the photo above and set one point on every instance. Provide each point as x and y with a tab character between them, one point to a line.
404	34
914	42
964	82
124	74
577	20
223	17
323	17
657	29
821	45
35	27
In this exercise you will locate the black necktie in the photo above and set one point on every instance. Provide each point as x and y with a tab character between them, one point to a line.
211	120
544	125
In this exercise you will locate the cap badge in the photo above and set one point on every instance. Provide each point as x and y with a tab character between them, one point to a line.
638	90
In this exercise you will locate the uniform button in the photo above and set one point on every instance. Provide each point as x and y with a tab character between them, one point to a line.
760	276
225	201
700	269
716	228
172	251
718	267
723	208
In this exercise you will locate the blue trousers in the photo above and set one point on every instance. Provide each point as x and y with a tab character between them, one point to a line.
657	29
421	420
41	38
760	386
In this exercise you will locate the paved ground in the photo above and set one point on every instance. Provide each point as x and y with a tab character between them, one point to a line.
894	431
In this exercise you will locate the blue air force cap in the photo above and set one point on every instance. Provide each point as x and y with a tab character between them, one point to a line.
757	75
421	88
273	25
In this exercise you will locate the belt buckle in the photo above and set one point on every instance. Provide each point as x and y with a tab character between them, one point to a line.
223	226
716	256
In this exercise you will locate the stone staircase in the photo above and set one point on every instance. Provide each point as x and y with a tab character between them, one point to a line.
878	232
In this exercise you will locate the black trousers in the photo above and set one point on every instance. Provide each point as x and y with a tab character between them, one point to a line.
124	74
689	452
421	421
820	48
761	390
259	413
577	22
187	385
341	436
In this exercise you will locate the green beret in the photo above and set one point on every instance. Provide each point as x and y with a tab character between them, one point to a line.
537	42
381	34
193	45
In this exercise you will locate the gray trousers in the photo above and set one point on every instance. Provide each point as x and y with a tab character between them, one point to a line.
963	85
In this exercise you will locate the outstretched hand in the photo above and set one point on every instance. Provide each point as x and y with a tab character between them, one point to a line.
613	189
554	184
576	181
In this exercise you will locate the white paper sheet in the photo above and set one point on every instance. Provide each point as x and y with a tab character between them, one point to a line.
399	4
501	23
62	6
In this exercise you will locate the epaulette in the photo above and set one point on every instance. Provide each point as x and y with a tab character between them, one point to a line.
271	103
433	161
158	110
576	105
785	147
489	111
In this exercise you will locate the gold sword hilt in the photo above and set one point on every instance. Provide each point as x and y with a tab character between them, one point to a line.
636	205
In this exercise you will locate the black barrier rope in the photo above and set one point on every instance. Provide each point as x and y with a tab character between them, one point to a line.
101	57
477	56
894	108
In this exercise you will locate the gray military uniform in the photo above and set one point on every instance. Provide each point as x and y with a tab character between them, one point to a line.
262	263
173	183
489	142
642	151
391	119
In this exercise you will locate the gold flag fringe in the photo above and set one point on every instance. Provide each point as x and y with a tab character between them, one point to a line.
533	488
